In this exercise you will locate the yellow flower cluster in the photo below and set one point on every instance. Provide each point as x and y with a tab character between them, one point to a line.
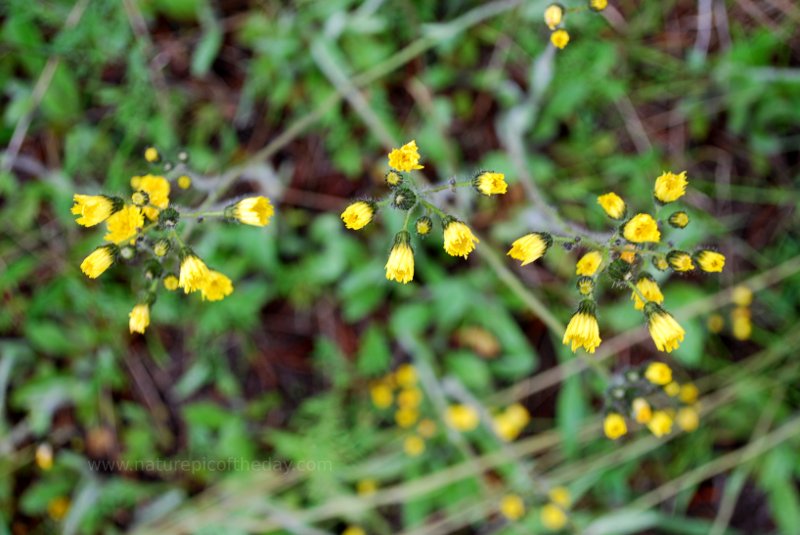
650	396
553	514
554	16
142	230
740	315
408	195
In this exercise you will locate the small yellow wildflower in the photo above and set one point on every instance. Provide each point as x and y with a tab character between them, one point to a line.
458	238
462	417
413	445
171	283
589	263
405	417
184	182
629	254
124	224
518	414
354	530
423	226
658	373
553	16
553	517
559	38
194	272
509	424
583	329
381	395
406	158
512	507
98	261
151	154
648	287
365	487
742	327
358	215
409	398
157	189
598	5
672	389
680	261
255	211
585	285
710	261
660	262
94	209
217	286
406	375
642	412
660	424
400	266
641	228
57	508
560	496
530	247
612	205
679	219
490	183
670	187
742	296
614	426
715	323
688	419
44	456
689	393
139	318
427	428
393	178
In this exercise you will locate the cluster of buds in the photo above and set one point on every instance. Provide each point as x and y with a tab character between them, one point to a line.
555	14
625	257
740	315
650	396
142	230
553	514
409	196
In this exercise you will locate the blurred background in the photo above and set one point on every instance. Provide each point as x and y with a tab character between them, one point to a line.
301	101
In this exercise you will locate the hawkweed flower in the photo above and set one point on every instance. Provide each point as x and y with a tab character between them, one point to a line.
559	39
413	445
672	389
583	329
94	209
688	419
553	517
641	228
427	428
742	296
99	260
589	263
365	487
462	417
658	373
216	286
680	261
530	247
670	187
585	285
162	247
400	266
512	507
660	262
381	394
358	215
151	155
614	426
393	179
139	318
406	375
710	261
628	254
665	331
405	417
598	5
171	282
560	496
490	183
553	15
406	158
423	226
255	211
679	219
642	412
404	199
124	224
194	272
409	398
689	393
660	424
458	238
157	190
612	205
510	423
184	182
648	287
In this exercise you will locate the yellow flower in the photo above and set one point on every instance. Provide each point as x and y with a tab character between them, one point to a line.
365	487
559	38
184	182
510	423
660	262
582	329
358	215
589	263
688	419
710	261
94	209
462	417
44	456
393	178
409	398
381	395
98	261
742	296
490	183
400	266
689	393
679	219
614	425
660	424
427	428
665	331
157	189
171	283
612	205
124	224
406	158
553	517
530	247
405	417
413	445
658	373
715	323
216	287
670	187
649	289
641	228
354	530
458	238
598	5
254	211
518	414
585	285
151	154
742	328
194	273
560	496
512	507
680	261
406	375
642	412
57	508
629	254
139	318
672	389
553	16
423	225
